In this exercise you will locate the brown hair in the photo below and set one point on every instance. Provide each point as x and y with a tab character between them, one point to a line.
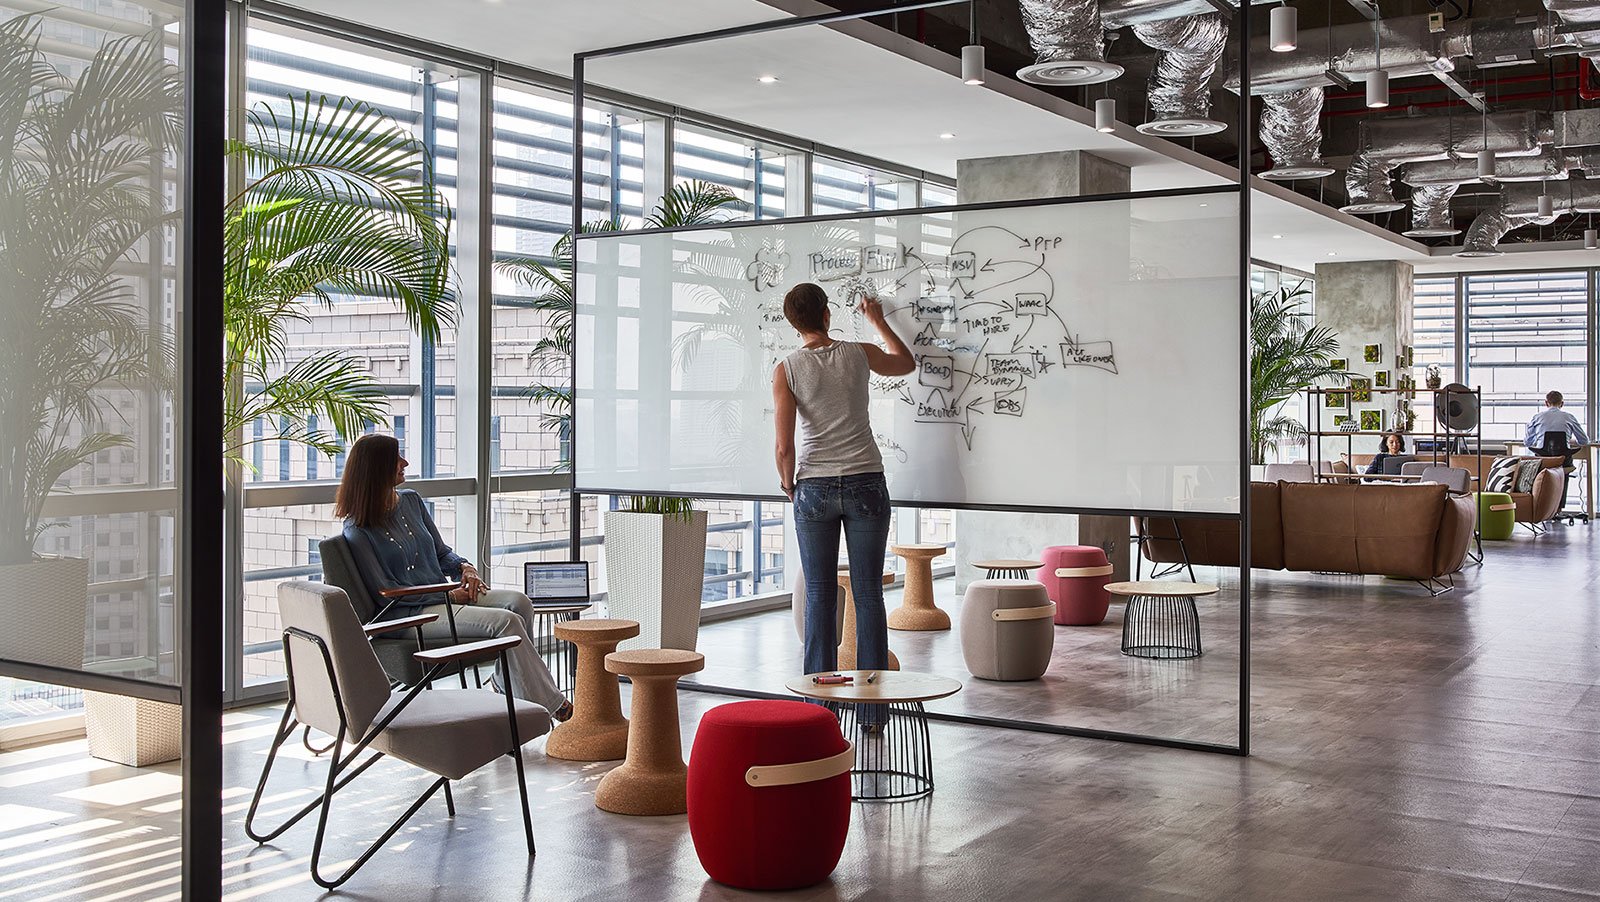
806	308
366	493
1554	399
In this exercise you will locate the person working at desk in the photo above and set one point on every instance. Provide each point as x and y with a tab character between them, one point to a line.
1394	445
1552	422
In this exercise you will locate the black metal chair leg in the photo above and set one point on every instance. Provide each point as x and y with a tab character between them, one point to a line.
516	754
305	740
449	800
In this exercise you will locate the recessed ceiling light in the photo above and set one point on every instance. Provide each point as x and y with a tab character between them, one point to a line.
1205	205
1277	236
945	136
1330	253
767	79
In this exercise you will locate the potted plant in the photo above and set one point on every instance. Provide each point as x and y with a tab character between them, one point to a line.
80	203
655	569
1288	355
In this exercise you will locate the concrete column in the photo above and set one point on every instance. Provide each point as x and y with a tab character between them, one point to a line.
1366	303
982	535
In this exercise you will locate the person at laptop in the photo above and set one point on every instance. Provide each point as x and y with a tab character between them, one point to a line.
1393	445
395	543
1551	421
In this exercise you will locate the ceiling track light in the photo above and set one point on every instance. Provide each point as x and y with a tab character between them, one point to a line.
1105	115
972	54
1378	80
1284	30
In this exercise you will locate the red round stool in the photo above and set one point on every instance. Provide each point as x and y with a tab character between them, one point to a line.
769	794
1076	578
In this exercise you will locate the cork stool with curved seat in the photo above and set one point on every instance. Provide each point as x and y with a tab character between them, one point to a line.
917	610
652	780
847	630
597	730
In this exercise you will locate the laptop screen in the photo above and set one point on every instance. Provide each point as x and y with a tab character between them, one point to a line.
565	581
1392	465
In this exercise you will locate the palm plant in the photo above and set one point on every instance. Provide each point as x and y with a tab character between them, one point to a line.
80	203
1287	356
339	199
689	203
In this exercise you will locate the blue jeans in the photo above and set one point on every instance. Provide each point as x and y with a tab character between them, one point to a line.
860	504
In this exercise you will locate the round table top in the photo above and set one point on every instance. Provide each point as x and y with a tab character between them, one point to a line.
655	662
597	630
1162	589
929	551
890	686
1008	564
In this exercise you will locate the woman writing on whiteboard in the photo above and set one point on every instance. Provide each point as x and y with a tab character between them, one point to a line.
834	474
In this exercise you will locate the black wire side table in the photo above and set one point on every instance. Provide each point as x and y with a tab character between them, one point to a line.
1008	569
1161	620
887	723
559	655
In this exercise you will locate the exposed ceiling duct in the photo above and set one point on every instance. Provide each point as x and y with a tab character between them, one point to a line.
1180	83
1384	144
1430	212
1069	42
1292	131
1519	206
1550	164
1586	15
1344	54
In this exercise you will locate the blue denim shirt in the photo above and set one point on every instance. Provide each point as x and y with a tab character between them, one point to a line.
407	550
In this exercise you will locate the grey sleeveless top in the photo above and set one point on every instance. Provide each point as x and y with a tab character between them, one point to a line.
830	391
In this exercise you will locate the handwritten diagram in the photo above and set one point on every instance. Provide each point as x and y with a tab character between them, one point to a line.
985	320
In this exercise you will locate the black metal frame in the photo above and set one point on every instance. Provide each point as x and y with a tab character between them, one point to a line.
1183	549
1241	187
894	754
324	802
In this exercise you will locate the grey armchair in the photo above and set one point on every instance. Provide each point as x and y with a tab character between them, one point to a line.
336	685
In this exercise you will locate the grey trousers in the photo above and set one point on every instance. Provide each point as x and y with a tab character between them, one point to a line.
502	612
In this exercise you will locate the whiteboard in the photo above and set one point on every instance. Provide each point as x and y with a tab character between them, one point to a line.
1076	355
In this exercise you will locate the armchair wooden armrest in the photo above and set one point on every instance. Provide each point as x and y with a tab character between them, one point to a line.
402	591
468	650
378	628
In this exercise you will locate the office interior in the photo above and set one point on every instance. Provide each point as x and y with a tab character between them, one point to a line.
1397	698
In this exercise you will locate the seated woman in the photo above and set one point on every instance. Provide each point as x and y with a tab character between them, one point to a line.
395	543
1394	445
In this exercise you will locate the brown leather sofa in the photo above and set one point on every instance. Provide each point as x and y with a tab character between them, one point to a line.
1533	507
1418	532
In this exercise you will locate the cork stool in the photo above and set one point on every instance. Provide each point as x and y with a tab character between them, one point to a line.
653	778
917	610
847	632
597	730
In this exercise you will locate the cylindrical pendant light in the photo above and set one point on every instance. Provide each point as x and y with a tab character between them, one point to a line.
1378	89
1591	239
1485	164
1378	80
1547	206
972	54
1105	115
1283	29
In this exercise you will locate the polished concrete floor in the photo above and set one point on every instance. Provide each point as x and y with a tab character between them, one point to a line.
1404	748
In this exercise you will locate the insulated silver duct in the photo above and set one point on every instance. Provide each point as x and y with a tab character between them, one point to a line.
1069	42
1551	164
1292	131
1117	13
1180	83
1519	206
1344	54
1430	212
1386	143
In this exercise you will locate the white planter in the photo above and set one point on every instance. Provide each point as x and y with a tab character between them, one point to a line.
655	572
44	605
132	731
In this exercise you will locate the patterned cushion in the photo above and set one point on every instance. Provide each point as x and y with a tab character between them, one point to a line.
1528	472
1502	475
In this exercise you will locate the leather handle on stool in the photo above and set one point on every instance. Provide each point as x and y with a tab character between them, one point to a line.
1102	570
1038	613
802	771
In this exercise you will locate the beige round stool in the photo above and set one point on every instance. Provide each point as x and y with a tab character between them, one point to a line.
847	631
653	778
597	730
917	610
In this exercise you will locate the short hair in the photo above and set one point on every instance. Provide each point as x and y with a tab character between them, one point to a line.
806	307
1396	435
366	493
1554	399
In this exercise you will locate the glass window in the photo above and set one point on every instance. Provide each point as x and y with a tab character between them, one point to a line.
1527	333
1433	338
838	187
754	174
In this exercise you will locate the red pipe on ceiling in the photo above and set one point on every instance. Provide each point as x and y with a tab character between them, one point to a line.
1476	86
1503	98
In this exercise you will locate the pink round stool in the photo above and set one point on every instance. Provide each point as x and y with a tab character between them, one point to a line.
1075	576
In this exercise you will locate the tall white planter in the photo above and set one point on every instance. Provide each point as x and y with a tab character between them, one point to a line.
655	571
44	605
